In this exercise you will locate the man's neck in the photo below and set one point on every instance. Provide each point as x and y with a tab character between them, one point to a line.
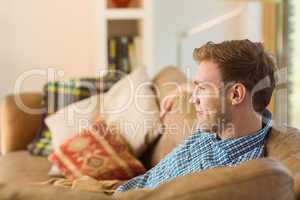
247	124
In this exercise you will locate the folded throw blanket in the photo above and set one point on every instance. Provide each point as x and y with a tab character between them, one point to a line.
85	183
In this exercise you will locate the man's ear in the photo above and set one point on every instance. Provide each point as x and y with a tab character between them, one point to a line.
237	93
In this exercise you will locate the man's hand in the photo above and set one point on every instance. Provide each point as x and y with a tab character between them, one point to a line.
167	103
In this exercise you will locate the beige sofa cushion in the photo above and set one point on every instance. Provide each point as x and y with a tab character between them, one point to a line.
70	120
179	123
21	167
18	191
283	144
18	127
167	80
261	179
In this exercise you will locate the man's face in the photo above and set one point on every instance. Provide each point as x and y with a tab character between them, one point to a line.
207	95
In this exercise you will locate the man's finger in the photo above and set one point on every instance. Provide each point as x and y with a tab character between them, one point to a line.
166	108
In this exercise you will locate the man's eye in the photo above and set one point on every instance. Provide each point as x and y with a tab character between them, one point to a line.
196	87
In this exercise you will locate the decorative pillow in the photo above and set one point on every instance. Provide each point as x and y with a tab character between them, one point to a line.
57	95
132	104
55	172
72	119
98	152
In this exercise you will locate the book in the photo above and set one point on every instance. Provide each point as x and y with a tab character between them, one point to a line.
137	42
112	57
123	55
135	52
125	64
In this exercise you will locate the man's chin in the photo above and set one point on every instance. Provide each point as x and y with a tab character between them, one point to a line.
207	125
199	115
204	126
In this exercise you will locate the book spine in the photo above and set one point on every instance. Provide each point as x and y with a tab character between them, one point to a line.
125	56
119	57
137	41
112	57
129	44
132	55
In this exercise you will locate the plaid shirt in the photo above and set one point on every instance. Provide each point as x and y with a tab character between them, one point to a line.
202	151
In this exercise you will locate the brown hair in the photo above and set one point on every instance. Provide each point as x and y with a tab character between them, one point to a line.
245	62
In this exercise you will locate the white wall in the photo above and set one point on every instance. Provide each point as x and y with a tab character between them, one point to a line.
294	97
45	33
63	34
174	16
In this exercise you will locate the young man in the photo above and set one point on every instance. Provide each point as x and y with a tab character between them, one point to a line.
233	85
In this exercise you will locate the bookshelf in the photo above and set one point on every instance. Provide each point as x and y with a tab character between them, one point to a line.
135	23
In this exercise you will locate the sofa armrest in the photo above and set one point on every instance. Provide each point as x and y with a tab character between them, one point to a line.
263	179
18	126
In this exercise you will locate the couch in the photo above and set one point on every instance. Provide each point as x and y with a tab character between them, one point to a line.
276	176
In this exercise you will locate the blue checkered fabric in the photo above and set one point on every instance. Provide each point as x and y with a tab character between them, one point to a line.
202	151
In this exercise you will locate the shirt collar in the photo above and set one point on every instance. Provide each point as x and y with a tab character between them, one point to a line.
235	147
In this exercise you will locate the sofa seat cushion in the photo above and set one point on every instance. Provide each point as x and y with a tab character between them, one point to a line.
261	179
22	167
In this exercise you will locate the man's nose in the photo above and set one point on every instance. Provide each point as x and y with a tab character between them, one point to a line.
194	99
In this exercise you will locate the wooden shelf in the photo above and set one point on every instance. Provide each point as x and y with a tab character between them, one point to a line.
125	14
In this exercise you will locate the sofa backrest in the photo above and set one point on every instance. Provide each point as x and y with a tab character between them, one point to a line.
179	122
167	80
283	143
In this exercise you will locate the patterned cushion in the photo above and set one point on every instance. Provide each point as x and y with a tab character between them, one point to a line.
98	152
57	95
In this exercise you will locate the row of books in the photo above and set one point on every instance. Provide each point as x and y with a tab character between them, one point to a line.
124	54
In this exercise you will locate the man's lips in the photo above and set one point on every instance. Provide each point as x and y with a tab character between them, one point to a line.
200	111
205	111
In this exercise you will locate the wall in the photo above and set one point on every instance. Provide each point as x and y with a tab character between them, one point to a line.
294	97
174	16
63	35
45	33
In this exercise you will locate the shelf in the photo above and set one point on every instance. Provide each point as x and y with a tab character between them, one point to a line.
123	28
133	21
124	13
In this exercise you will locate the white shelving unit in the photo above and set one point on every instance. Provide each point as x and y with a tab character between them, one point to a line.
125	14
136	20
